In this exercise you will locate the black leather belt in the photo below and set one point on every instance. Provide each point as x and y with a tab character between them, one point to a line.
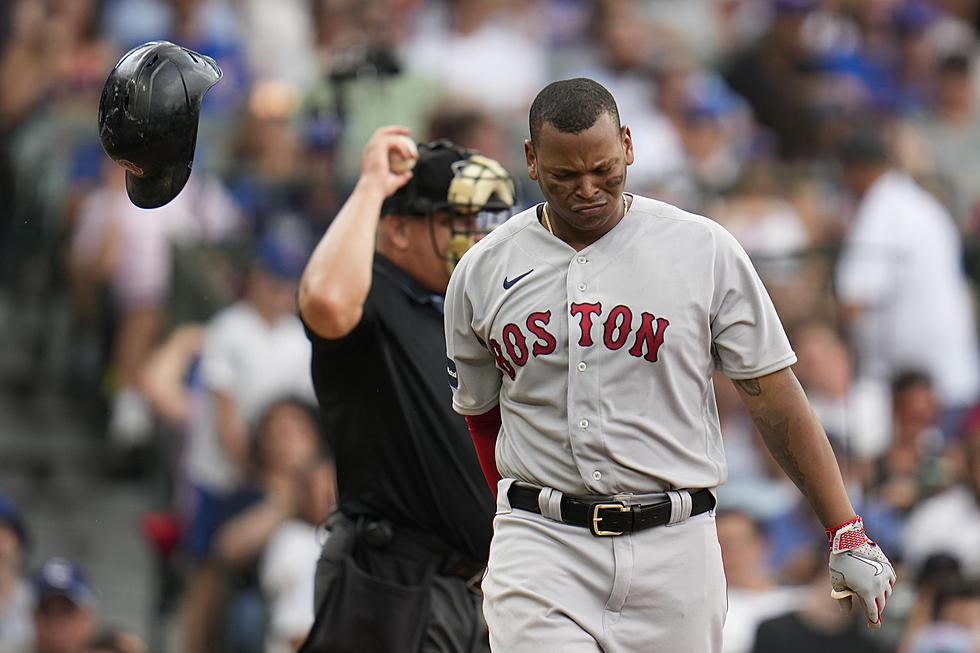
608	517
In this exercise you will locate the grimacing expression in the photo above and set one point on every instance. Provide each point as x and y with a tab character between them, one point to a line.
582	175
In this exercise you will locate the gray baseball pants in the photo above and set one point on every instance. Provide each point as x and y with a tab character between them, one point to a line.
553	587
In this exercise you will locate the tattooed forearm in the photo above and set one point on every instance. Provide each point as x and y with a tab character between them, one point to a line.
750	387
776	436
797	443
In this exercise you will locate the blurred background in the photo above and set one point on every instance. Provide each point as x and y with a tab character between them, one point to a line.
838	140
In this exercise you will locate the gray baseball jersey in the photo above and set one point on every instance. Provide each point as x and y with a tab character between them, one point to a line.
601	360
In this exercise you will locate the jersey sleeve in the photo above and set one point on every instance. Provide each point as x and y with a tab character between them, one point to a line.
747	336
473	374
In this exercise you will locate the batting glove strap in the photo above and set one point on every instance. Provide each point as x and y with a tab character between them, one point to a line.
858	566
847	536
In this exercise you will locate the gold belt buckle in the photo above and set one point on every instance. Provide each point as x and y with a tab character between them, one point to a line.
596	518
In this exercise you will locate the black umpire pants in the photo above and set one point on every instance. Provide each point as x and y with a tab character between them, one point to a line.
380	591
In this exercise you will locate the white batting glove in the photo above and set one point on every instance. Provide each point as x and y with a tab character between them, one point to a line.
858	566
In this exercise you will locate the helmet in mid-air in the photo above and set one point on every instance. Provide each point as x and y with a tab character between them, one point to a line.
148	117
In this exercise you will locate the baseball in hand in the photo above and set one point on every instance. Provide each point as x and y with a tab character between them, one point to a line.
399	163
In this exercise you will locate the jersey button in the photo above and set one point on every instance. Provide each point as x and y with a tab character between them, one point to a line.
581	367
582	259
597	475
584	423
581	286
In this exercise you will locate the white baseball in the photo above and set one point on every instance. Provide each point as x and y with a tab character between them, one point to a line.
399	163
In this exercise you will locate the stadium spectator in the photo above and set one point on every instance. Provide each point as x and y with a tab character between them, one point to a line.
66	613
129	250
757	212
774	74
815	625
949	522
488	50
276	540
16	593
753	592
900	281
364	82
955	627
919	596
915	464
253	352
948	135
290	490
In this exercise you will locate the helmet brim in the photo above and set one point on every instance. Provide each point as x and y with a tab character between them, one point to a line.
151	191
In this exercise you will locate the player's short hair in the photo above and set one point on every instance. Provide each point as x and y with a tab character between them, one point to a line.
571	106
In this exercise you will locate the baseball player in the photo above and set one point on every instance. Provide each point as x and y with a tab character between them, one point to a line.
582	336
410	539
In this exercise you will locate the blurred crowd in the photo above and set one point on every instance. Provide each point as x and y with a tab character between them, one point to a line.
838	140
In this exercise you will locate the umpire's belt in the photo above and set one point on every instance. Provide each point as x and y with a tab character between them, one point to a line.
607	516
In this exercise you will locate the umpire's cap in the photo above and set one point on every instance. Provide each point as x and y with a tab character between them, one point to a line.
449	177
148	117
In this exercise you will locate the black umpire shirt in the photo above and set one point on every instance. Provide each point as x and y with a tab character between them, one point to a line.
401	451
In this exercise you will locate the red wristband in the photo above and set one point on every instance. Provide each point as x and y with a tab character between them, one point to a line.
851	537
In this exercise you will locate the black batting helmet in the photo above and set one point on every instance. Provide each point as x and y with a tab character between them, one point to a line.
148	117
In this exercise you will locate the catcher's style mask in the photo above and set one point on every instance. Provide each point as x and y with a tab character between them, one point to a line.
148	117
475	190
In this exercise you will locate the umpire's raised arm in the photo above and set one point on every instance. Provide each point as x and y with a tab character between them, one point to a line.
337	277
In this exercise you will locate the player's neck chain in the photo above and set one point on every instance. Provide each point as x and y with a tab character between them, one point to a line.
547	221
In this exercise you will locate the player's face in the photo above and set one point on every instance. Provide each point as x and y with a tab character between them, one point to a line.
582	175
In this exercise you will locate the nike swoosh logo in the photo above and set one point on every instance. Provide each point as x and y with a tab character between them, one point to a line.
874	563
508	283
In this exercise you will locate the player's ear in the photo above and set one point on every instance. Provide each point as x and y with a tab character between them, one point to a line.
627	144
532	163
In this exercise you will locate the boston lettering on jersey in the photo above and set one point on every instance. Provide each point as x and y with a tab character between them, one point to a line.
616	329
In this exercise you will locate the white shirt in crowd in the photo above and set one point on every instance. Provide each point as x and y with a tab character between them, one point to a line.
749	608
946	523
17	621
286	575
255	363
902	261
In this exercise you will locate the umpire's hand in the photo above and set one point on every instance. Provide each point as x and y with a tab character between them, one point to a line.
858	566
388	144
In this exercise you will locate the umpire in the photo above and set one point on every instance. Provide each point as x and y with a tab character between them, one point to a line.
406	549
